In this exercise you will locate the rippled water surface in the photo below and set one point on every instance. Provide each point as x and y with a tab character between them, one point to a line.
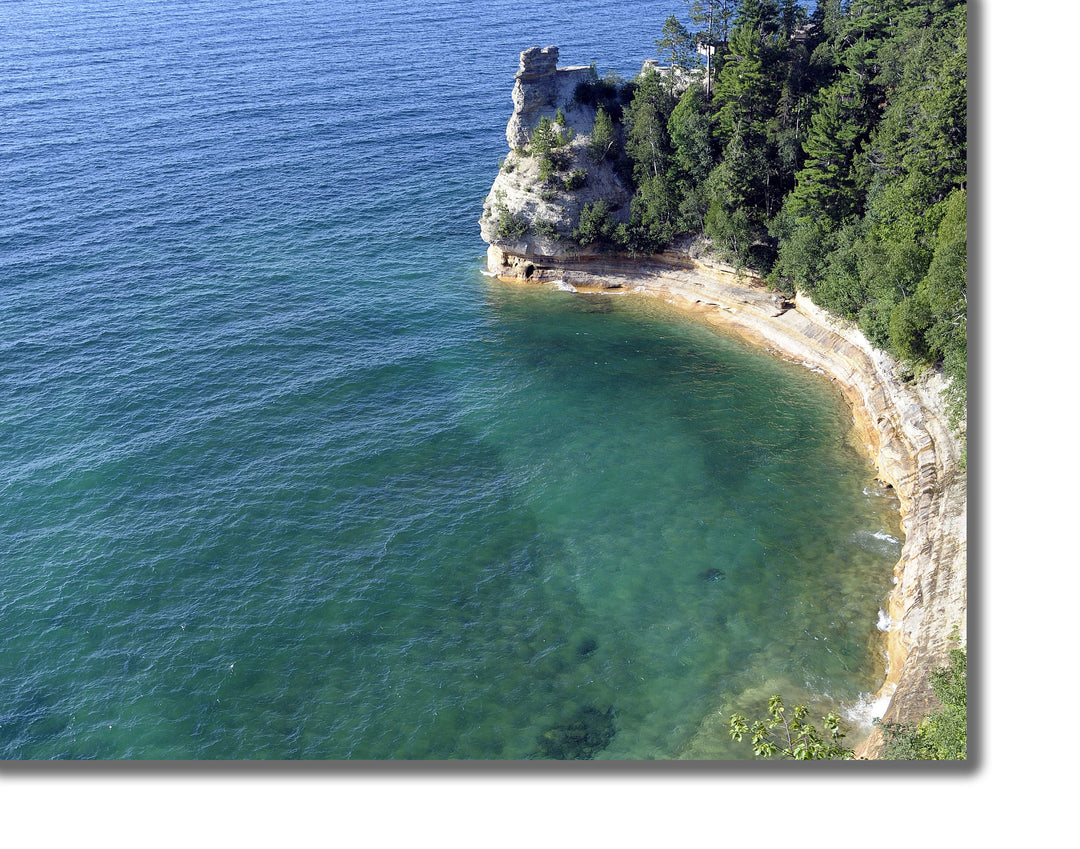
285	476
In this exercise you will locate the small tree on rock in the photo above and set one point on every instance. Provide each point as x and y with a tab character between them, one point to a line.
676	44
602	140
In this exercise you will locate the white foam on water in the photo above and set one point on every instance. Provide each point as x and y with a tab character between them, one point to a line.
879	542
563	286
884	622
868	708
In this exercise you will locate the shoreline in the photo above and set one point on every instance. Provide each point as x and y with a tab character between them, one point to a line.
902	425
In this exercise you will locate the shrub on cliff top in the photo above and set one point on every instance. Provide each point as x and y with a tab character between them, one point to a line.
611	93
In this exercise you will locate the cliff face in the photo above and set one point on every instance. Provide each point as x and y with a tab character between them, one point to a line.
902	423
548	210
541	89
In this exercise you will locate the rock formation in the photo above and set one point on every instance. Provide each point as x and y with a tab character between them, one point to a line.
549	211
902	423
540	89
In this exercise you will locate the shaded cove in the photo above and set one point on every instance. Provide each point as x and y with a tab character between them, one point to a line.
902	427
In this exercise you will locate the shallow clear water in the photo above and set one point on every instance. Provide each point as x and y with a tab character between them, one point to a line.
285	476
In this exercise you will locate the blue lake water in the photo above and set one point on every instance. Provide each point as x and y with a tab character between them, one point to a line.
284	475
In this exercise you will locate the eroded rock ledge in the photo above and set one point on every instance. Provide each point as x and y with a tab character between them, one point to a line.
903	425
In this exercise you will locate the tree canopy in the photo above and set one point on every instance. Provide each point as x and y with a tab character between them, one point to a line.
826	151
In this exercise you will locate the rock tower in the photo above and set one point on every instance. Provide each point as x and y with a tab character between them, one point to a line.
540	89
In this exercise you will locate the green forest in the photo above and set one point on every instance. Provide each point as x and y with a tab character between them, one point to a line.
823	147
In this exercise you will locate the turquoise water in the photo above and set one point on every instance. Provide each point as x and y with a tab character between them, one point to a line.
284	475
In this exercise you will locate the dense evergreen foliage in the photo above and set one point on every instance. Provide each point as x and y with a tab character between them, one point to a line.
824	149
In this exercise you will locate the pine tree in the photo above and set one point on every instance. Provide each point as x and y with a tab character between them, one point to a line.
647	141
828	184
677	44
603	138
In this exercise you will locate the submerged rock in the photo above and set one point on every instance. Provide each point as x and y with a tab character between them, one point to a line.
586	647
589	731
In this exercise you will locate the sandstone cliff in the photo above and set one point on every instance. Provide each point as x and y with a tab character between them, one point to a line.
542	88
902	423
547	212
